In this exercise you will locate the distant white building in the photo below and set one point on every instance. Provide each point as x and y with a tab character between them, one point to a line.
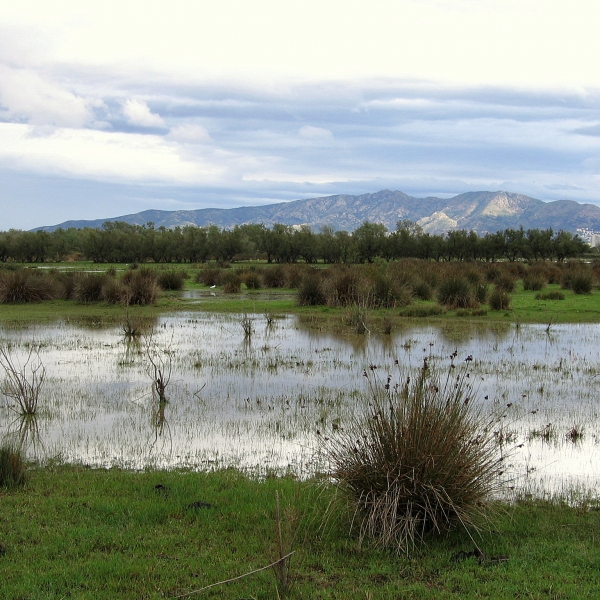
595	240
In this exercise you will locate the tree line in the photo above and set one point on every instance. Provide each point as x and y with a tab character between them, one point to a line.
120	242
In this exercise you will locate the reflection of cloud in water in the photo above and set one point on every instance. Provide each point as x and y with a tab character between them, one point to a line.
260	402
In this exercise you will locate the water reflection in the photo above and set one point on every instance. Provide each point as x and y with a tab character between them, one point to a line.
256	400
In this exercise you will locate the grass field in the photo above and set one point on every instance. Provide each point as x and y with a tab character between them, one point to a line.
74	532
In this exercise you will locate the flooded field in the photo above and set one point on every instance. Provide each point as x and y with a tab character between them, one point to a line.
252	393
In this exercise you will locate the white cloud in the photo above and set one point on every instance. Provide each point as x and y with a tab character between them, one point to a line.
28	96
138	113
102	155
315	133
191	133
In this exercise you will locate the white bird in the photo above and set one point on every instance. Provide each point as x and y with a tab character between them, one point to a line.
212	287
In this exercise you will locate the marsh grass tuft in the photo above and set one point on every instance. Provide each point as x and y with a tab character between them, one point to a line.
575	434
421	461
13	467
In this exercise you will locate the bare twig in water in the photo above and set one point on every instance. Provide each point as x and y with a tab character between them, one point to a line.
23	382
159	369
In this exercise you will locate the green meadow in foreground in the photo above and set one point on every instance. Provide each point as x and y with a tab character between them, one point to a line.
73	532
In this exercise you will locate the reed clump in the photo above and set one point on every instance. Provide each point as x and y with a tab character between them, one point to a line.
13	468
171	280
456	292
499	299
421	460
140	287
26	285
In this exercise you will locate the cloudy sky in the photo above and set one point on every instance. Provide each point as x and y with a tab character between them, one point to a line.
112	108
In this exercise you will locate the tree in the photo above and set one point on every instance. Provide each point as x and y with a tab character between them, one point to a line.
368	241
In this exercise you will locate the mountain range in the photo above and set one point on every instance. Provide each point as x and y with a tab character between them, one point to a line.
482	212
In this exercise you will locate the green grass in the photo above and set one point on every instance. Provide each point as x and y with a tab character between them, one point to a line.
73	532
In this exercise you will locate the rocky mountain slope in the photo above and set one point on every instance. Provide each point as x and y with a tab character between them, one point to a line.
482	212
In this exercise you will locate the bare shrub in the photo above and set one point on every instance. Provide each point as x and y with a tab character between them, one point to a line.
23	381
422	290
113	291
534	282
294	274
340	286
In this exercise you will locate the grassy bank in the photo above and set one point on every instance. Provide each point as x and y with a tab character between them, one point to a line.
525	308
73	532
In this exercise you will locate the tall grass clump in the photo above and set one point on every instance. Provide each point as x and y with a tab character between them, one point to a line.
253	280
340	285
582	282
421	460
310	292
141	287
12	466
551	295
534	282
274	277
506	283
171	280
232	282
456	292
499	299
88	287
25	285
209	276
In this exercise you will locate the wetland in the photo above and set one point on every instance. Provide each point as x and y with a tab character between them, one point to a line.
256	391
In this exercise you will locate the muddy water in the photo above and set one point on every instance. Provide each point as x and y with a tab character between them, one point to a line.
257	402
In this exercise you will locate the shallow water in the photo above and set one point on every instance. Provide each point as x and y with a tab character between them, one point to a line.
258	402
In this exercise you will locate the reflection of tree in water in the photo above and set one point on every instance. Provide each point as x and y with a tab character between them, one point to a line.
159	368
133	348
159	423
134	328
24	429
461	332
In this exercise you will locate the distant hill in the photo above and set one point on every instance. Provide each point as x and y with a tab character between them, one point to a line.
482	212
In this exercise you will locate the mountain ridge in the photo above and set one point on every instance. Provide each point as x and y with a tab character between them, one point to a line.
482	212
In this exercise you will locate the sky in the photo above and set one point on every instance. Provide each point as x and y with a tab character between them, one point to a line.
112	108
